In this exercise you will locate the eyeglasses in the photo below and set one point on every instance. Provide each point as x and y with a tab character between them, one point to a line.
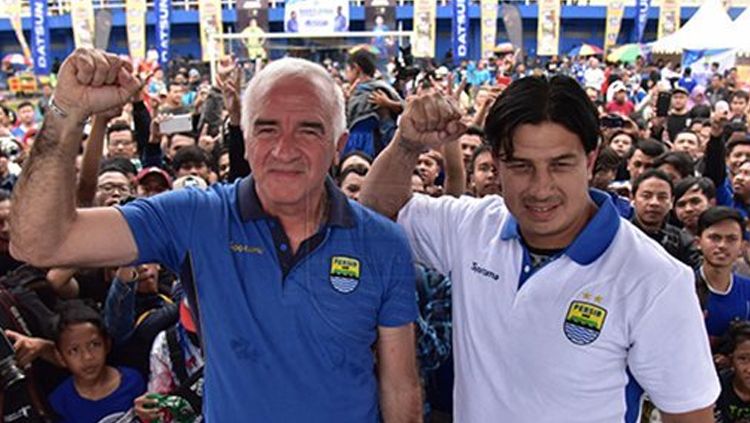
110	188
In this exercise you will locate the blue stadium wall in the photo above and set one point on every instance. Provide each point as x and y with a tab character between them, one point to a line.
579	25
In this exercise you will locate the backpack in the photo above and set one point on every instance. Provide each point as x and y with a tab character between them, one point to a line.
188	387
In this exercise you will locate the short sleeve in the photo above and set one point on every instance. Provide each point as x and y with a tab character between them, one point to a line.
670	356
399	305
161	226
431	225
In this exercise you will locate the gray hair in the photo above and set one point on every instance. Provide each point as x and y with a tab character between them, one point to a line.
264	80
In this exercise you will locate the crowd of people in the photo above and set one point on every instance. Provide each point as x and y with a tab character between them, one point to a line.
166	232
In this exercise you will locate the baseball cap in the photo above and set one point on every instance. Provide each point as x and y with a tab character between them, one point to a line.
679	89
618	86
153	170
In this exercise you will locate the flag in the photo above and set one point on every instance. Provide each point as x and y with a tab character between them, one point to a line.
163	11
615	10
82	17
488	26
40	37
460	30
210	24
669	18
513	25
424	28
548	28
641	18
135	21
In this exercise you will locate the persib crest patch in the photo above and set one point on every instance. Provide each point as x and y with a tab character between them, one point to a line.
344	275
584	322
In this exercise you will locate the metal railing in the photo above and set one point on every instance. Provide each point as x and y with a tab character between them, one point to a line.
61	7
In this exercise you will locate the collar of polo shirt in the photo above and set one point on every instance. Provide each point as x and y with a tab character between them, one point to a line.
339	210
592	241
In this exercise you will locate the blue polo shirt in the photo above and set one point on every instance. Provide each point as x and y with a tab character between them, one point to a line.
286	337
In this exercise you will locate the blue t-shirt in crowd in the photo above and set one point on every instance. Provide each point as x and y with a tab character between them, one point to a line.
287	337
722	309
73	408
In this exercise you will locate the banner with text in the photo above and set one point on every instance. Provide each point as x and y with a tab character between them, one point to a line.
669	18
641	18
82	18
460	30
548	28
135	21
40	37
316	16
424	28
211	23
615	10
163	17
488	14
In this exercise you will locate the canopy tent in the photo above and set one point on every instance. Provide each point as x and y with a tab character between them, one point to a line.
710	28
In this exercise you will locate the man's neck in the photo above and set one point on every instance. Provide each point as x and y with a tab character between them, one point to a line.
648	228
300	221
742	392
717	278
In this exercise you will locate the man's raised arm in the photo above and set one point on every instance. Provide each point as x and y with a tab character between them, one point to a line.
46	228
429	121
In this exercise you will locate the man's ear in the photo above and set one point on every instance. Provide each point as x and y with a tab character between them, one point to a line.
340	145
591	161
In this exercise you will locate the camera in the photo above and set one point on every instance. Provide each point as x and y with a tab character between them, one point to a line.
10	374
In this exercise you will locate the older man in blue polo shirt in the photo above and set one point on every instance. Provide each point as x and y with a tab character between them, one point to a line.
295	284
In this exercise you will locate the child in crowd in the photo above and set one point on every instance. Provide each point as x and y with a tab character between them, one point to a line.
733	405
95	392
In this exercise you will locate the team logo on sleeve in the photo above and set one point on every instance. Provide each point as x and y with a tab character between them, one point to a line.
584	322
344	275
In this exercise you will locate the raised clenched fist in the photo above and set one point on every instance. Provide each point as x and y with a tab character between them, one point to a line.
429	121
92	81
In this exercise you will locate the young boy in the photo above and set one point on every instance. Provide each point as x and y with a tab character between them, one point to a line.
94	392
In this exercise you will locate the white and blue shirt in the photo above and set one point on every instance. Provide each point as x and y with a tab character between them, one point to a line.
558	343
287	337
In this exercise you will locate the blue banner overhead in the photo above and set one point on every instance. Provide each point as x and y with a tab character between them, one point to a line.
40	37
460	29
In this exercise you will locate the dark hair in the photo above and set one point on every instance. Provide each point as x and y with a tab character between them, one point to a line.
364	60
738	332
681	161
23	104
607	159
75	312
476	131
650	147
118	164
735	141
483	148
118	126
191	154
737	94
353	169
184	134
714	215
5	195
705	185
648	174
534	100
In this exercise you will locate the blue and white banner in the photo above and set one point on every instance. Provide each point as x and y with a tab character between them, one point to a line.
40	37
316	16
163	16
641	18
460	29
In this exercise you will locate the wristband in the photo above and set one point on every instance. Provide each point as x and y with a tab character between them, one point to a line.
56	110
